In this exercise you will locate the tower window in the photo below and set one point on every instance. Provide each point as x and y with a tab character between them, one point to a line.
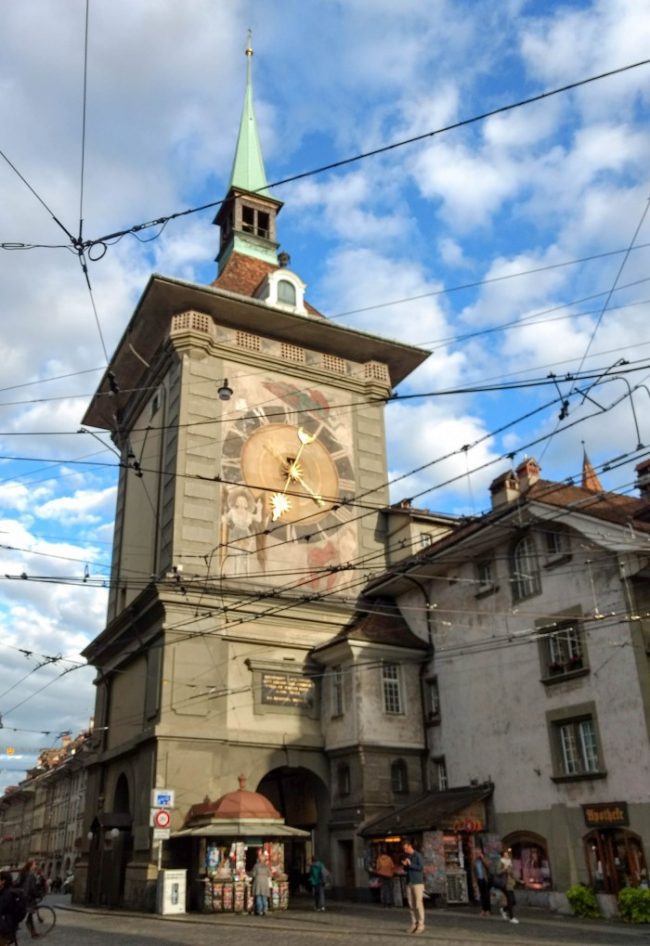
255	221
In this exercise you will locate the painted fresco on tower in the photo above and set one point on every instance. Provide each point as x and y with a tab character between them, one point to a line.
287	471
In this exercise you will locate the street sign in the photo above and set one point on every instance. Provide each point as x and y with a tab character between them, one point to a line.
162	798
162	834
162	818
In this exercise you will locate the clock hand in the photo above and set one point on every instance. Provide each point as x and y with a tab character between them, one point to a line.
293	467
275	454
280	502
314	495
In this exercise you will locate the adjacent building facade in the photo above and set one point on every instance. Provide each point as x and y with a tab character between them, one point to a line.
538	619
42	817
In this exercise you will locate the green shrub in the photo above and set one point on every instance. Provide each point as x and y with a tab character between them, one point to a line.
583	901
634	904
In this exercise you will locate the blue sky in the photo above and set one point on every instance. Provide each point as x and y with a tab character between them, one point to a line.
540	186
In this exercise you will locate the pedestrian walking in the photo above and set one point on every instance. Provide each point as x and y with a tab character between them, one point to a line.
482	876
317	875
413	865
508	882
385	870
8	921
261	876
29	880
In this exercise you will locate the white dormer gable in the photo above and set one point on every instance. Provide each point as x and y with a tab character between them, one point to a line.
283	290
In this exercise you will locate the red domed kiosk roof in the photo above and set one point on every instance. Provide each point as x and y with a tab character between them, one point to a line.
239	804
241	813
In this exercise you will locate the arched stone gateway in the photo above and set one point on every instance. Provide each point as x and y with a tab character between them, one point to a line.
303	800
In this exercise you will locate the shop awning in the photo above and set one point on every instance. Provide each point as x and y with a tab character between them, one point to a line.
255	828
432	811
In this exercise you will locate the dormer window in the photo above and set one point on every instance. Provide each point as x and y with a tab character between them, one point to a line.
286	292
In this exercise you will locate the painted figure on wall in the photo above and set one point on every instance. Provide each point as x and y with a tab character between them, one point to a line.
240	524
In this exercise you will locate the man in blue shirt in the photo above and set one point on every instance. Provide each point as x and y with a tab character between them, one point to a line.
413	865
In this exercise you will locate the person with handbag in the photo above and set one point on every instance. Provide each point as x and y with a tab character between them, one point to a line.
505	881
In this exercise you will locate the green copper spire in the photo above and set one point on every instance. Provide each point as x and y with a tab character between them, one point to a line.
248	167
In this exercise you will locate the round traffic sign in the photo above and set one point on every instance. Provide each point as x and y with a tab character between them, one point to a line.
162	819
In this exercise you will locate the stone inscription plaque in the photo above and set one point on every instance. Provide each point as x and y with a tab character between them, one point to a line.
286	689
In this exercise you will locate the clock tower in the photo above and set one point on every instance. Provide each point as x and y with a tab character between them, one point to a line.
252	485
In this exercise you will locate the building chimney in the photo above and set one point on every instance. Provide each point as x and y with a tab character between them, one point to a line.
504	489
528	474
643	479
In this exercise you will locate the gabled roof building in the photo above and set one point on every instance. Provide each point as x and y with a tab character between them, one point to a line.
538	618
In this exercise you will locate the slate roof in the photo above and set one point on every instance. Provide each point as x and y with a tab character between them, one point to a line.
610	507
377	628
430	811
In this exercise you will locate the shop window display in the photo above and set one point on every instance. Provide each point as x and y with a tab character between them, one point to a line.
229	888
530	862
615	859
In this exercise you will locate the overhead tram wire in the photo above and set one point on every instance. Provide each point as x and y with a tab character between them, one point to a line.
143	579
604	309
514	638
250	617
83	122
255	616
592	374
430	489
39	199
370	509
344	162
615	283
356	500
489	281
525	321
79	244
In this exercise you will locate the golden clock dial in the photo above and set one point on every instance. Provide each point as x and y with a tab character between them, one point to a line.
295	470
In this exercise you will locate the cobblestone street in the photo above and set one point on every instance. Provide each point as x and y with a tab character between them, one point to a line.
342	922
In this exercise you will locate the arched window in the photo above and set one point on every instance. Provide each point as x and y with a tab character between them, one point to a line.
530	864
121	801
399	777
615	859
524	569
286	292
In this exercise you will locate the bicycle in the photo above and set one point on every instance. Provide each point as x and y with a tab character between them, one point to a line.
43	917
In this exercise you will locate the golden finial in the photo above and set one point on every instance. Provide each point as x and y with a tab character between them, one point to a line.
249	43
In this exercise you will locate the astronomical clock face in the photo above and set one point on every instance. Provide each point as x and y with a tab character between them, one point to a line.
289	452
295	468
